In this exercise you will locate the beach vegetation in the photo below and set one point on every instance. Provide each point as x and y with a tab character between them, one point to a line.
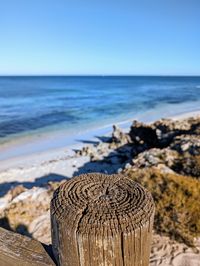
177	200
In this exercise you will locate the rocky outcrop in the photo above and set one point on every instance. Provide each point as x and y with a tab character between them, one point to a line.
141	133
154	157
187	144
162	132
119	137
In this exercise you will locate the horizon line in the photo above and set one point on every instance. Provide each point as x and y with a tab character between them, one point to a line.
99	75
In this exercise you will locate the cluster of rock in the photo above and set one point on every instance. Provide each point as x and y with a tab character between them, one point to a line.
162	133
163	147
174	144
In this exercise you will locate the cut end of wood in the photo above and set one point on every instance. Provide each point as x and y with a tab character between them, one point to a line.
93	203
100	219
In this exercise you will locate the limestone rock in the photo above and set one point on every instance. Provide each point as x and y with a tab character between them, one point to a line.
40	228
119	137
143	134
187	143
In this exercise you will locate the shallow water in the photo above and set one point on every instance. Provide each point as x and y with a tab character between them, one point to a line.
30	105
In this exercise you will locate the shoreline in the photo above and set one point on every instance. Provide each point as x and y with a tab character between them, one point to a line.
32	149
34	145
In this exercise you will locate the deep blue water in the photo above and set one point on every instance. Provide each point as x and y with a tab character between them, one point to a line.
34	104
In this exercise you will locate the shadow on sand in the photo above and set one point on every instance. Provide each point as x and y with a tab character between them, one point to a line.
38	182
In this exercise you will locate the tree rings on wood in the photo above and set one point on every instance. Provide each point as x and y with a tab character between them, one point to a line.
98	206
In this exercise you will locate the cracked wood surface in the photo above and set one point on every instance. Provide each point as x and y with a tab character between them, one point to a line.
103	220
18	250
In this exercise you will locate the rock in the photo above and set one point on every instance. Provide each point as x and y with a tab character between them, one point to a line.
90	151
187	143
14	192
4	201
169	125
119	170
168	252
95	157
162	132
143	134
187	259
116	135
11	194
162	168
102	148
40	228
128	166
119	137
154	157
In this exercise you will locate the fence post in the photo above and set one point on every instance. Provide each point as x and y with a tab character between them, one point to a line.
101	219
19	250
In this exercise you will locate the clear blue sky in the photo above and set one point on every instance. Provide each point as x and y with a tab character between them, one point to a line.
100	37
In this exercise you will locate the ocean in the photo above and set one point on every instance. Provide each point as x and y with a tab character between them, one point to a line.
37	104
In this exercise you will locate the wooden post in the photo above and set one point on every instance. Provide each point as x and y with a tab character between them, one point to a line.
101	219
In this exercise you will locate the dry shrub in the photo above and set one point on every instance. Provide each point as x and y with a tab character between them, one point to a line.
177	200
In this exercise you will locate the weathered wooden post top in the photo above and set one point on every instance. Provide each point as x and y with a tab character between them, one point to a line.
101	219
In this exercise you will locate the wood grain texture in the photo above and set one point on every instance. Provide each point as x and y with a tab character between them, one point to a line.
18	250
101	219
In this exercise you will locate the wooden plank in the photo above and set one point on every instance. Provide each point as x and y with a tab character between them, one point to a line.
19	250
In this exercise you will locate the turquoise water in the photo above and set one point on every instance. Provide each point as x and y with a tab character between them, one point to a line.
30	105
